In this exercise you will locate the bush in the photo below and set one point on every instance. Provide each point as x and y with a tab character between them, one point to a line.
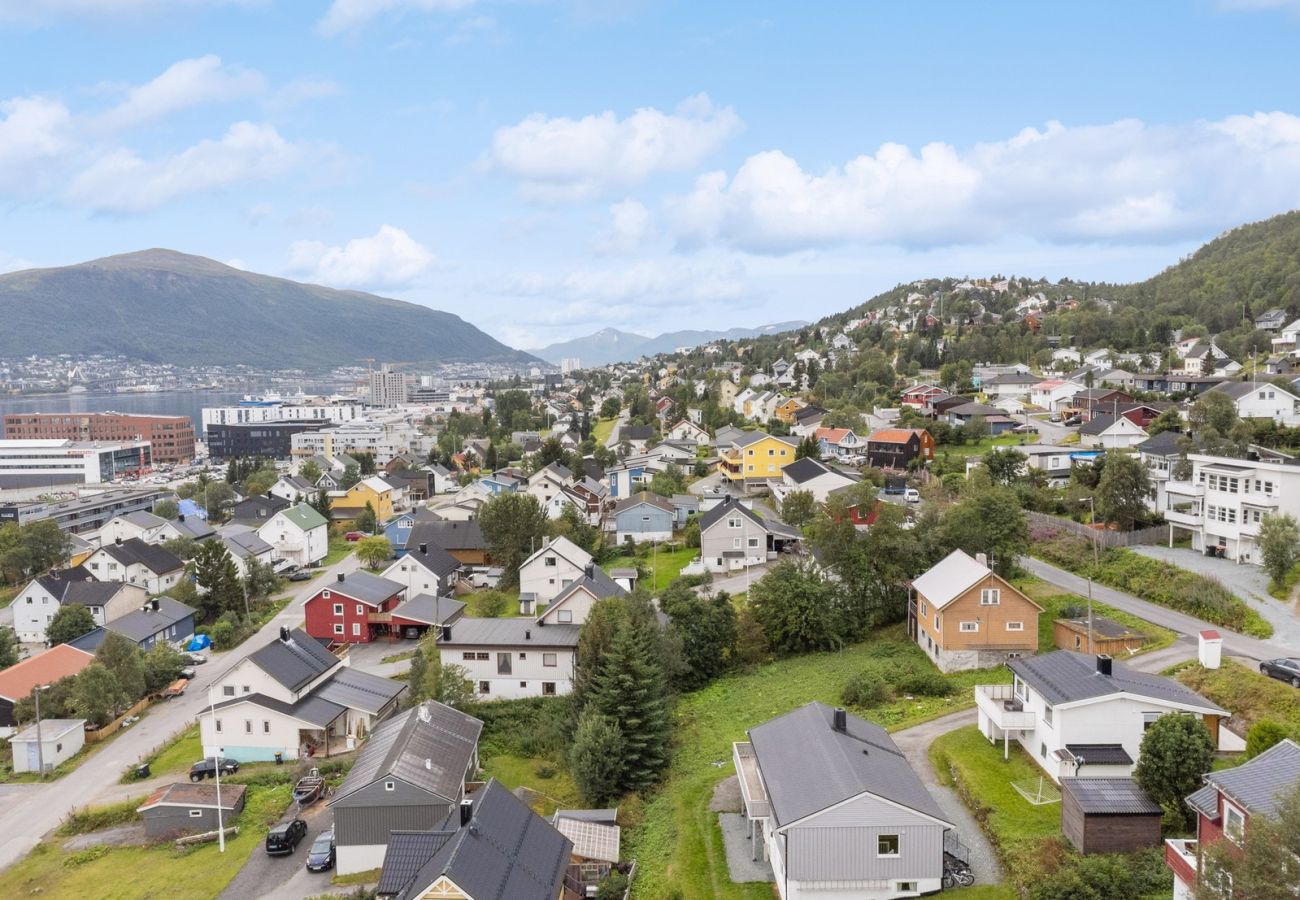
923	683
96	818
1264	734
81	857
613	887
1103	876
866	689
490	604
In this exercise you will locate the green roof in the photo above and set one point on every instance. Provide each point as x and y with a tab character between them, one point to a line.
304	516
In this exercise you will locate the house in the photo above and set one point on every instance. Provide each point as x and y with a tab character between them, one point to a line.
593	496
1253	400
355	608
643	517
428	569
135	562
441	480
922	396
678	453
138	524
414	616
684	506
1096	401
293	489
293	699
632	475
35	606
398	528
298	534
787	407
806	421
755	457
638	436
1107	432
997	420
373	492
572	605
1054	394
257	511
732	537
245	548
554	566
686	430
1273	320
966	616
1108	815
195	528
548	481
838	443
1225	806
895	448
1202	357
1052	460
159	620
512	657
411	774
47	744
46	667
1108	636
1009	385
831	801
813	476
492	845
175	810
1078	715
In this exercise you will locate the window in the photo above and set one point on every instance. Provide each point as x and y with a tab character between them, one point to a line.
360	610
549	659
1047	713
484	687
1149	718
482	656
564	616
217	725
550	560
1234	823
248	726
468	655
505	664
1015	626
266	727
356	629
338	628
523	655
196	814
990	597
227	690
548	688
907	887
523	684
924	610
937	620
733	523
969	627
1042	750
326	595
390	785
887	845
338	609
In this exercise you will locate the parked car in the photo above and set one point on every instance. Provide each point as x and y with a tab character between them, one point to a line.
353	536
207	767
912	495
196	659
320	858
284	838
1055	417
1073	421
1283	668
1025	429
188	673
300	575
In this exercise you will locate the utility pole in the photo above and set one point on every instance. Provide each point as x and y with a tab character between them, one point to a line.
1092	526
40	745
221	830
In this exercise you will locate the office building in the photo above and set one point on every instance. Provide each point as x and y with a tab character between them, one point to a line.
272	440
387	388
171	438
51	463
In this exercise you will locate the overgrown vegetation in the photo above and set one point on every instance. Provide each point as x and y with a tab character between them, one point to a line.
1250	696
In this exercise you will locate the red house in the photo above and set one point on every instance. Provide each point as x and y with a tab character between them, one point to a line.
1225	806
355	609
919	396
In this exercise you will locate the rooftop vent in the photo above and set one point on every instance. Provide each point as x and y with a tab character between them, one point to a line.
466	813
424	548
340	577
840	720
1103	665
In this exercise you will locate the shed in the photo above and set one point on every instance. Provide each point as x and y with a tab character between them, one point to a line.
1108	815
1108	636
60	740
179	809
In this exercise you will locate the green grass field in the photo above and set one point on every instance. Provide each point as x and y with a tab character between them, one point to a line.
338	549
549	779
601	430
1249	695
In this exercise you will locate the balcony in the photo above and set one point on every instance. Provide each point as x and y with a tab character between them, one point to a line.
752	790
1003	707
1185	488
1184	513
1180	856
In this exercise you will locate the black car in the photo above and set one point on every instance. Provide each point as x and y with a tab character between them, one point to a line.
206	768
1072	421
1283	668
320	858
284	838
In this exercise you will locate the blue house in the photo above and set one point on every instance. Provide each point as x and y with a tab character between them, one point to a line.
398	529
643	517
160	619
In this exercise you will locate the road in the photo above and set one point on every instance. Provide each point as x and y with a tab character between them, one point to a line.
1233	643
28	814
612	442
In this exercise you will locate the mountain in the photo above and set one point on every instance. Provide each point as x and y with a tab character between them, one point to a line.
168	307
609	345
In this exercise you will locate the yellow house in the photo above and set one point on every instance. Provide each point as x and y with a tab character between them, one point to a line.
786	410
755	456
726	393
350	503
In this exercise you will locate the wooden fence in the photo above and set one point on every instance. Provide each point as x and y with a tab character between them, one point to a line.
1105	538
112	727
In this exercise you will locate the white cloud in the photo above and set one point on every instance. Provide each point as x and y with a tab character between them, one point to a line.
630	225
33	131
1251	5
1124	180
344	15
187	83
388	258
564	159
124	182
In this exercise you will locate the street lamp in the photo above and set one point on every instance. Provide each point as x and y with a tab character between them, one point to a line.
40	745
1092	527
216	761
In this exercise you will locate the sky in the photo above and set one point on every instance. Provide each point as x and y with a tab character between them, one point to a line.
548	169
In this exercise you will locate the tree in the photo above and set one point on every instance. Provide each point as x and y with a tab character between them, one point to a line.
365	464
351	475
1279	543
796	608
1264	866
630	691
166	509
1212	411
988	521
309	472
1004	466
365	520
596	758
1169	420
609	408
260	580
668	482
321	503
513	526
374	551
706	628
217	575
96	695
798	508
1122	491
162	665
1175	752
808	447
182	547
1264	734
123	658
69	623
572	524
217	496
8	647
430	679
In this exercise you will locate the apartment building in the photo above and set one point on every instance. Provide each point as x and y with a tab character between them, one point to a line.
279	411
30	463
170	437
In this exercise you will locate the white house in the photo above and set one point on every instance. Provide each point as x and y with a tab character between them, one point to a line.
687	430
298	534
1054	393
139	524
1261	401
510	657
1079	715
558	563
293	489
548	481
135	562
572	605
245	545
1111	432
58	741
425	569
36	604
813	476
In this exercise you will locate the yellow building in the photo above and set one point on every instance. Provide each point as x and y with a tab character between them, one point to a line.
786	410
351	503
755	456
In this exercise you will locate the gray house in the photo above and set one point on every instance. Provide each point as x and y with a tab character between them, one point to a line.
831	799
410	775
643	517
160	619
732	537
179	809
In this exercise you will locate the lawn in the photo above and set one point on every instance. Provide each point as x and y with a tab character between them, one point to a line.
178	755
984	445
602	429
663	565
676	843
549	779
1248	695
338	549
146	873
1054	601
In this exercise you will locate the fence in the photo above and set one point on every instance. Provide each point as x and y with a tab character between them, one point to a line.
111	728
1105	538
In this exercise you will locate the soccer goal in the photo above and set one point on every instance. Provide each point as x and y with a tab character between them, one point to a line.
1039	792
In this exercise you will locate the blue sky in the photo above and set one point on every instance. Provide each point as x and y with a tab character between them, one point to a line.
545	169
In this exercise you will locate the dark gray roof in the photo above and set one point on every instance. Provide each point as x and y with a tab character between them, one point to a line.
805	469
1166	443
729	505
142	624
407	853
434	558
636	433
1238	389
359	690
245	544
448	535
1257	785
472	632
143	519
151	556
1110	796
430	609
363	586
1100	754
506	851
595	580
1101	627
310	709
258	509
1065	677
808	766
1097	424
294	663
77	586
429	746
1205	800
646	498
808	412
194	528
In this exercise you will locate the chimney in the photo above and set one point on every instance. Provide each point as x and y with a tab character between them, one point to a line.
153	604
180	517
340	578
1103	664
528	634
424	549
982	559
446	632
466	811
284	634
840	720
117	541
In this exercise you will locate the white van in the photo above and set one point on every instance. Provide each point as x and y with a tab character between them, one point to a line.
912	495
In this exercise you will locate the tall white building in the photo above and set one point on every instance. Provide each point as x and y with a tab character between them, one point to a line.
570	364
387	388
279	411
49	462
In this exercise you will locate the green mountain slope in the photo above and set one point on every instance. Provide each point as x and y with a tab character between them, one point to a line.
163	306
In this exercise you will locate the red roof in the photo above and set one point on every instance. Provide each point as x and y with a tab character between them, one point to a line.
892	435
17	681
832	435
1210	635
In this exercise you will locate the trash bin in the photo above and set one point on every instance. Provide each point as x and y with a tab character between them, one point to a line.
279	758
142	771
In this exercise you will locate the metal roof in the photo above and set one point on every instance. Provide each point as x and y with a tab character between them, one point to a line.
1110	796
369	589
434	558
182	793
294	663
359	690
806	469
310	709
952	576
142	624
304	516
808	766
729	505
591	840
1258	784
429	609
449	535
151	556
1100	754
1066	677
60	661
51	729
473	632
407	853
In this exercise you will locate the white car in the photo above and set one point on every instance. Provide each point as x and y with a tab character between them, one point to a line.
912	495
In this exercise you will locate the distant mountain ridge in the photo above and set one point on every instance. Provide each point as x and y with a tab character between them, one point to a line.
610	345
168	307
